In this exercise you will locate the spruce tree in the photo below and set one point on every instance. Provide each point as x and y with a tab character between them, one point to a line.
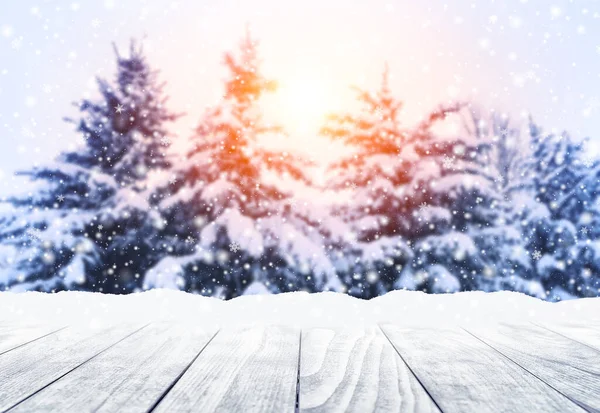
560	215
459	212
374	251
507	263
231	226
87	224
421	202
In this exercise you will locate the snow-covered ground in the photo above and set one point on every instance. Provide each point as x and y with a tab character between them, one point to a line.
295	309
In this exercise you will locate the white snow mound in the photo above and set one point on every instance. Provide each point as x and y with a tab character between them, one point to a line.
294	309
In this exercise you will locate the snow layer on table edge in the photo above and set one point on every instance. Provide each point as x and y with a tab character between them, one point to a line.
299	309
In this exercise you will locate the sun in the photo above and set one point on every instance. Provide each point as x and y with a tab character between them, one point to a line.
301	103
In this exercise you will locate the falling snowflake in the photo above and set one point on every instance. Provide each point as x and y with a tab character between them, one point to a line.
588	162
536	255
16	43
34	234
584	230
60	198
234	247
448	162
504	132
119	108
27	132
422	208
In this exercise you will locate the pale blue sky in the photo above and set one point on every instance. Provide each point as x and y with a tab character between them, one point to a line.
516	56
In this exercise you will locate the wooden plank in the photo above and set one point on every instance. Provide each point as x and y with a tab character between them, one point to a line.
356	370
250	370
129	377
15	336
462	374
570	367
28	369
585	334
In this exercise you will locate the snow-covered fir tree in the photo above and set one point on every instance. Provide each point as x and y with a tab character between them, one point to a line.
423	205
231	229
87	222
560	215
460	223
373	252
508	265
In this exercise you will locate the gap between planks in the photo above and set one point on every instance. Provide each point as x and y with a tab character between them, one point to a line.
297	409
32	340
410	368
567	337
527	370
170	387
74	368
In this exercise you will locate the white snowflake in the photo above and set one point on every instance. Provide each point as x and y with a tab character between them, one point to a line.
27	132
60	198
588	162
34	234
16	43
119	108
536	255
234	247
448	162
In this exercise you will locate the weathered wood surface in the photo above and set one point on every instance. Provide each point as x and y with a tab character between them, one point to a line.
249	370
586	334
462	374
14	335
356	370
183	368
129	377
568	366
28	369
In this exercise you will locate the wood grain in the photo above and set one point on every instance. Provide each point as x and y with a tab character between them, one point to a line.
249	370
585	334
568	366
129	377
28	369
15	335
462	374
356	370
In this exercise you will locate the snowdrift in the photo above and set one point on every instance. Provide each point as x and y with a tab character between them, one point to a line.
295	309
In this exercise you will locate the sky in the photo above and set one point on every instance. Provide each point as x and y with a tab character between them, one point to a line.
515	56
